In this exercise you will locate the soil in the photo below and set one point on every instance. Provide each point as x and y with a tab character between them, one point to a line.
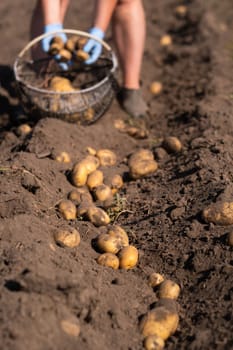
42	283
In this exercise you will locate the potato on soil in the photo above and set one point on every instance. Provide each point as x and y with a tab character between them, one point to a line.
120	234
181	11
159	321
91	163
153	342
115	182
98	216
128	257
168	289
141	154
69	237
79	195
63	157
166	40
219	213
172	144
155	279
109	260
68	209
142	168
60	84
102	193
83	207
91	151
169	304
106	157
82	169
70	327
95	179
23	130
108	244
156	88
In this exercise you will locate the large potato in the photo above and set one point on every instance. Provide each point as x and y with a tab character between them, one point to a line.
219	213
120	234
108	244
159	321
141	168
98	216
128	257
106	157
69	237
169	289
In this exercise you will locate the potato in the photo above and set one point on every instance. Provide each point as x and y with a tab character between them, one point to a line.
120	234
91	163
156	88
219	213
95	179
109	260
108	244
79	176
80	194
159	321
72	43
81	55
69	237
172	144
83	207
106	157
116	183
137	133
230	239
60	84
98	216
67	209
91	151
155	279
142	168
23	130
128	257
63	157
89	115
166	40
169	289
102	193
71	327
141	154
65	55
56	44
153	342
181	11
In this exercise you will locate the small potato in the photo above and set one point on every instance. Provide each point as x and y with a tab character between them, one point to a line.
91	163
142	168
108	244
166	40
169	289
63	157
230	239
128	257
56	44
80	194
109	260
95	179
23	130
106	157
159	321
67	209
219	213
70	327
153	342
120	234
172	144
103	193
181	11
89	114
65	55
155	279
81	55
83	207
67	238
156	88
72	43
115	182
60	84
98	216
91	151
79	176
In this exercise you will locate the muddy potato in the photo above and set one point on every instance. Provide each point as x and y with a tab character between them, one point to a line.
159	321
103	193
69	237
128	257
141	154
60	84
98	216
155	279
219	213
115	182
67	209
168	289
91	163
106	157
156	88
108	260
65	55
83	207
63	157
166	40
70	327
23	130
172	144
181	11
120	234
82	169
107	244
136	132
91	151
142	168
153	342
80	194
95	179
81	55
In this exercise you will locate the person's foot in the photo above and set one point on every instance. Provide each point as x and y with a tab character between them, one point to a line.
132	102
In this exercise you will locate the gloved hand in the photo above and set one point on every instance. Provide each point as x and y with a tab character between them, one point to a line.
93	47
49	28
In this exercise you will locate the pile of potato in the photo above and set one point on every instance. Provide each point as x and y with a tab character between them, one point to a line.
161	322
71	49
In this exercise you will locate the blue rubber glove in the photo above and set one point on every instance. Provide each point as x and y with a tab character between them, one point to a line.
49	28
93	47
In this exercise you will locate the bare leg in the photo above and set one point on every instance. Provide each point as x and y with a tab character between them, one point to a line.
63	8
129	36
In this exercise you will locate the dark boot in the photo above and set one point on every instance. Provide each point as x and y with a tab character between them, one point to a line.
132	102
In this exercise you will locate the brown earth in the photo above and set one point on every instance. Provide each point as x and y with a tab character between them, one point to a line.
43	284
